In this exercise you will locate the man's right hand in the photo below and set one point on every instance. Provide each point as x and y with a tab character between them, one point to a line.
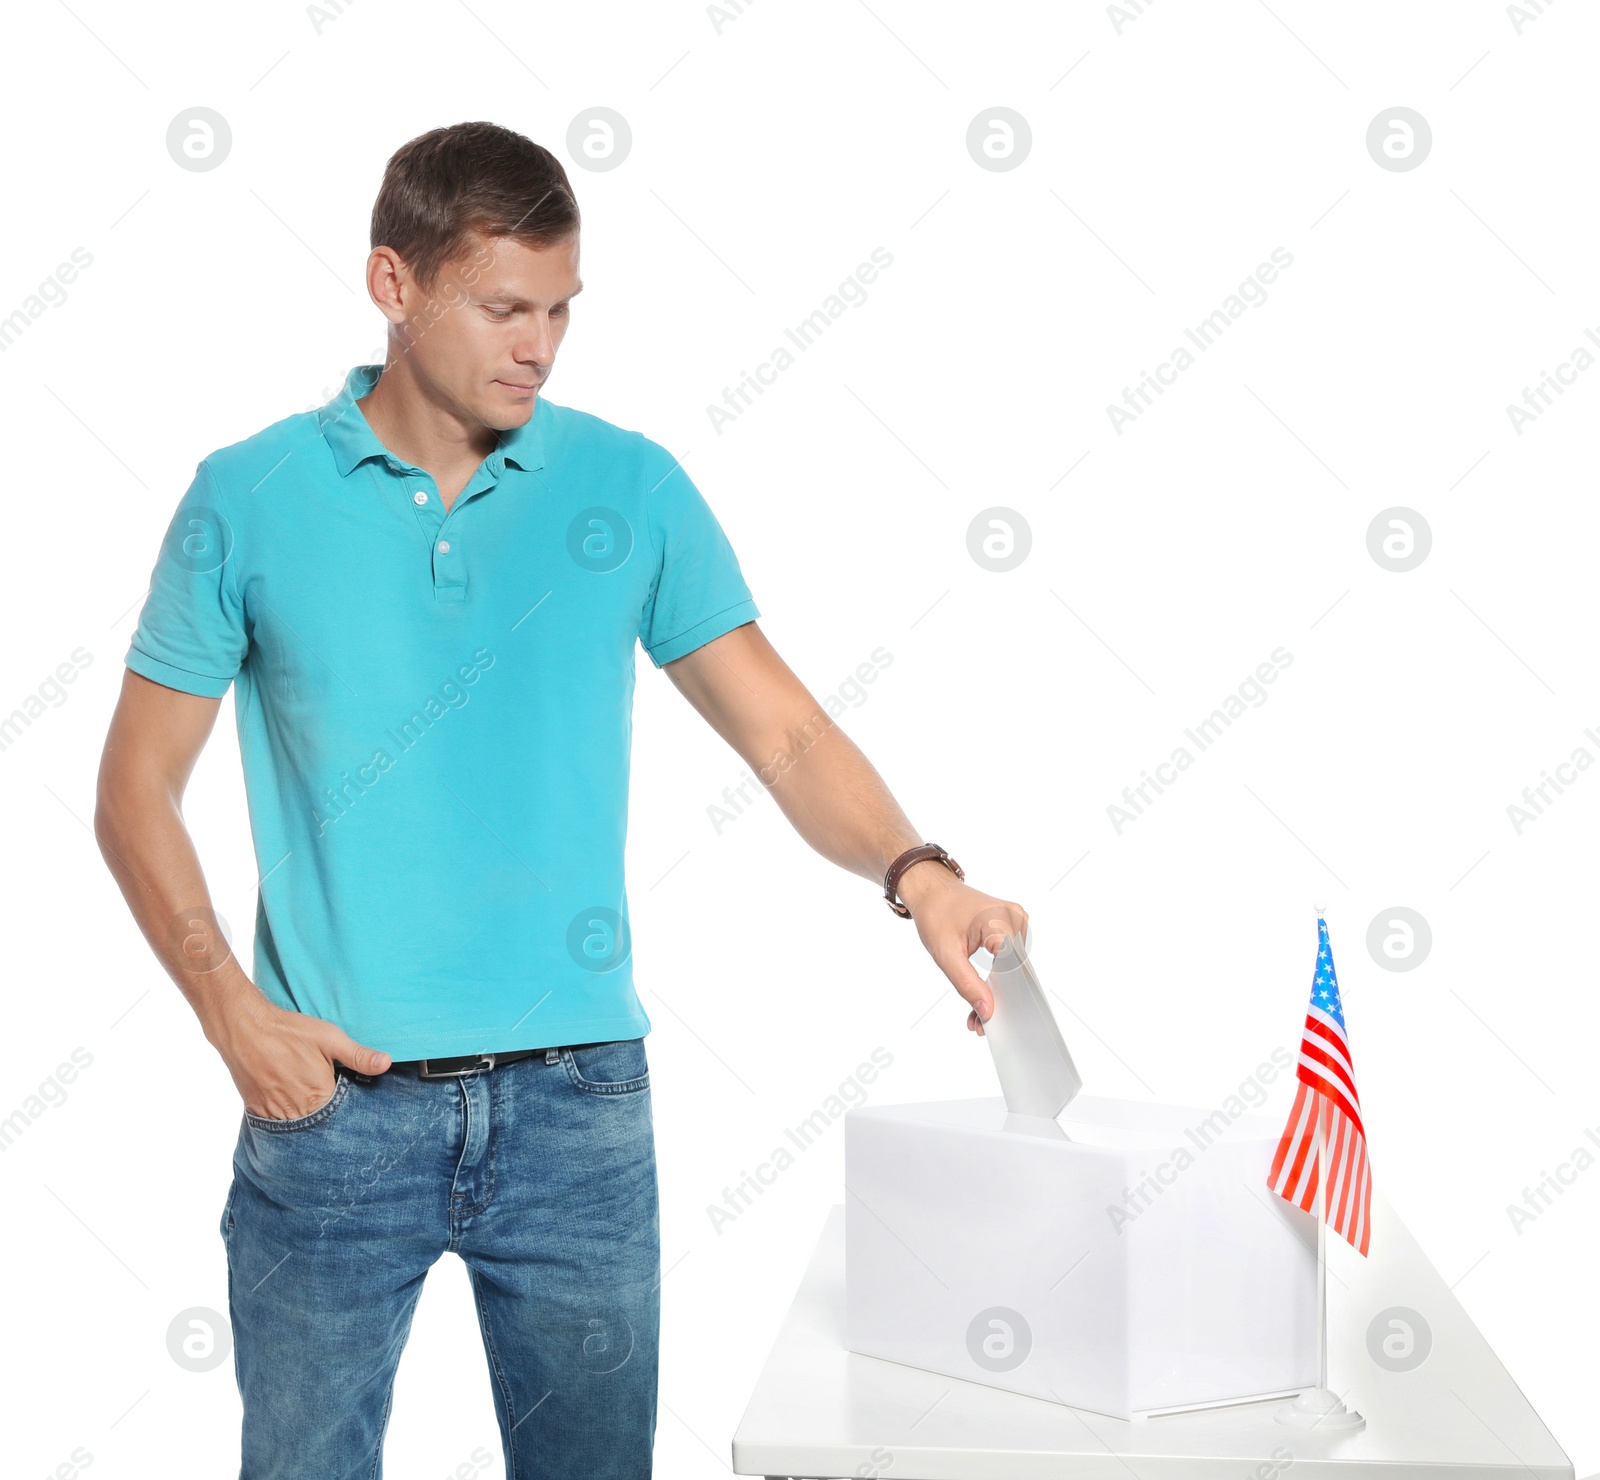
283	1062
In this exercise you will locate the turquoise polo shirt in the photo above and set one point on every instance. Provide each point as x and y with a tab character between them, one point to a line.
435	710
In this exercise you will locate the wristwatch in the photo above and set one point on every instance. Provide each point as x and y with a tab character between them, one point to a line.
921	853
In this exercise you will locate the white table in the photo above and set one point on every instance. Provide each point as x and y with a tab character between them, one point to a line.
821	1411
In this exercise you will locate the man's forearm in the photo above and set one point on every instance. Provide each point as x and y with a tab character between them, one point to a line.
836	800
148	849
817	775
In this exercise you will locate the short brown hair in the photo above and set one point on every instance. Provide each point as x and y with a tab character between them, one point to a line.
470	177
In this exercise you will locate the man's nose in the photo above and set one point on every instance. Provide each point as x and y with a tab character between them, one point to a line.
538	346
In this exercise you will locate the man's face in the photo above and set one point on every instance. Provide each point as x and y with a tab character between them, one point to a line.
484	338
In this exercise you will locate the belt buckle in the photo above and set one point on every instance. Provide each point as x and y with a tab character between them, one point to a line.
485	1061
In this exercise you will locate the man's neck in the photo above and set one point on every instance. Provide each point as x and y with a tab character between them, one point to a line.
417	427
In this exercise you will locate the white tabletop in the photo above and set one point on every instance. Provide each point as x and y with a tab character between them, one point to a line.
819	1410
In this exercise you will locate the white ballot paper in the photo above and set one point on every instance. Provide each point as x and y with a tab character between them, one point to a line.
1037	1075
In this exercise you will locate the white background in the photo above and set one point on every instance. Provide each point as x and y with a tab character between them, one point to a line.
771	153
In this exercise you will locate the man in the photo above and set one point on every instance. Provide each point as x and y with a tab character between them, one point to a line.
427	594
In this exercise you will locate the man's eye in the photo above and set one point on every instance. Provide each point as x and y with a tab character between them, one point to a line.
560	308
498	313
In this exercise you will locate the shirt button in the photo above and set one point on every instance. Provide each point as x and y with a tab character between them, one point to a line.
419	497
444	547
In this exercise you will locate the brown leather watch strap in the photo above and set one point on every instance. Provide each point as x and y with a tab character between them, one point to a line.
923	852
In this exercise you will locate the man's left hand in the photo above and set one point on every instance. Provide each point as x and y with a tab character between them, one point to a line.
953	920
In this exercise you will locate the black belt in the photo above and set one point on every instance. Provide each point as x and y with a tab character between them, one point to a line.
470	1063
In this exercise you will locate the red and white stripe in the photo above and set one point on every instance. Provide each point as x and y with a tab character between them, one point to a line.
1327	1084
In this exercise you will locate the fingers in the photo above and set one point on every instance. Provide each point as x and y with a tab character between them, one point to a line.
339	1045
972	987
282	1103
278	1091
987	929
1001	919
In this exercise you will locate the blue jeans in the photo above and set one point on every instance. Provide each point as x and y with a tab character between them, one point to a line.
540	1174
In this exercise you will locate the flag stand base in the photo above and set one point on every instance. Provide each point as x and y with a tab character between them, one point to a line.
1317	1408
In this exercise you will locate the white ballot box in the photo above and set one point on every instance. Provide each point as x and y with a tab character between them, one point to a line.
1123	1257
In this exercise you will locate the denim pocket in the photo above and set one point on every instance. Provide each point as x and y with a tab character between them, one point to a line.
341	1090
615	1068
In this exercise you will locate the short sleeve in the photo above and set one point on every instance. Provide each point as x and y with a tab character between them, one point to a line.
191	634
699	591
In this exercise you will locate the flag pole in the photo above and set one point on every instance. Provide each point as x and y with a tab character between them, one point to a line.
1320	1407
1322	1243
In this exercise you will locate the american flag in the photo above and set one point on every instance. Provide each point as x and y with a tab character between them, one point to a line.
1327	1086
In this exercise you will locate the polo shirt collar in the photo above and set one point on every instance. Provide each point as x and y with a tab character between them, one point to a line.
352	441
